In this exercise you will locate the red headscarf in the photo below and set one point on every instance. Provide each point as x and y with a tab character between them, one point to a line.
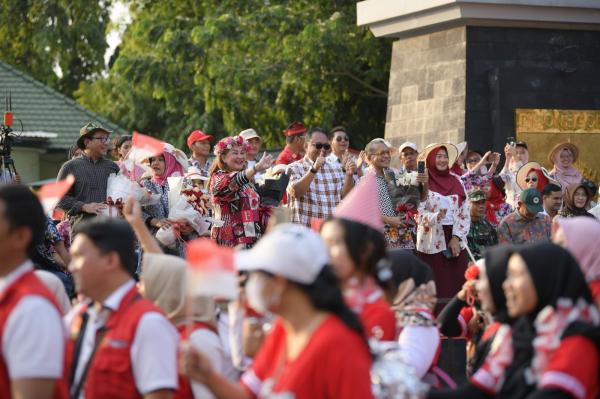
441	181
542	180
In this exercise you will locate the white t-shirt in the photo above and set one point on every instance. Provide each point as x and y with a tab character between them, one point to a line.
153	351
418	346
211	346
33	340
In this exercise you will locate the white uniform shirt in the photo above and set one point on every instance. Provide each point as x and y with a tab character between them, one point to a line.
33	340
153	351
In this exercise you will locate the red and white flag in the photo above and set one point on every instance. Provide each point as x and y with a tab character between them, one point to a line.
211	271
51	193
144	147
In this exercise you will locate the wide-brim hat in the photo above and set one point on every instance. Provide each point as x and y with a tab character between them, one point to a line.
555	150
450	148
87	131
524	171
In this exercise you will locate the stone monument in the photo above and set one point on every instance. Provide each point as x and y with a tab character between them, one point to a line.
460	69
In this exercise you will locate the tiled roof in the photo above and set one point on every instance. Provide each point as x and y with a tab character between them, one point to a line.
42	109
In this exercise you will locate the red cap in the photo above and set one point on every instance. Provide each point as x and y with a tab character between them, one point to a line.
295	128
198	135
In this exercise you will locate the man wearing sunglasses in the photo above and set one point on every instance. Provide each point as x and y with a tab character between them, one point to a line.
87	196
340	146
316	186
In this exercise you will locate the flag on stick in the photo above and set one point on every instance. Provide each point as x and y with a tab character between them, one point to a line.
211	271
51	193
144	147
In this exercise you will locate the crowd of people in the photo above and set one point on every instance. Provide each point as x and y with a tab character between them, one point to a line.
334	253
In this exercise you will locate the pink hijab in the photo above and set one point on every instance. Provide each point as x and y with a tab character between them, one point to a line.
172	166
581	239
565	176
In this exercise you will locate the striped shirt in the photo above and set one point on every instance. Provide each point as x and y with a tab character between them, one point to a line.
323	195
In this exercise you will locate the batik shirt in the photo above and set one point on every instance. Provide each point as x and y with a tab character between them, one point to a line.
204	169
481	235
473	181
515	229
236	204
323	195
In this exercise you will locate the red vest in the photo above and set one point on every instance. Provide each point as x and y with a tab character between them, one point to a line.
184	390
110	374
27	284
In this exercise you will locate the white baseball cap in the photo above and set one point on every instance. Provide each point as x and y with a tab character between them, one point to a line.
290	250
407	144
249	134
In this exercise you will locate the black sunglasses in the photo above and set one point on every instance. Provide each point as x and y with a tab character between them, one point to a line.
342	138
319	146
532	179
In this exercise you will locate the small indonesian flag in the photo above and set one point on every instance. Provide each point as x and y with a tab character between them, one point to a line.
51	193
144	147
211	271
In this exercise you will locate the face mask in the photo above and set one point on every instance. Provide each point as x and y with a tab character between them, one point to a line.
254	288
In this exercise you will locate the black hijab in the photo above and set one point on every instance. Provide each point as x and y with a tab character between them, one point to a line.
496	264
555	274
405	265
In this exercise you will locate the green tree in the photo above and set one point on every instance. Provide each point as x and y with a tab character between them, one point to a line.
42	36
227	65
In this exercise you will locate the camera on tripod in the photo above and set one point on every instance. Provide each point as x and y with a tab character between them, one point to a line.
7	164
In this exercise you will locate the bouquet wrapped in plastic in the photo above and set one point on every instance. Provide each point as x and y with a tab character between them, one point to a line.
405	196
119	187
391	377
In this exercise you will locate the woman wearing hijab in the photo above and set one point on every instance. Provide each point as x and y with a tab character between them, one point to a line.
563	156
443	221
234	197
558	306
163	281
316	347
496	206
494	352
575	202
356	246
579	235
171	163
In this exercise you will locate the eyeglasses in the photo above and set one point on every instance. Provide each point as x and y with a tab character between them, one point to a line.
472	160
342	138
531	179
381	153
104	140
320	146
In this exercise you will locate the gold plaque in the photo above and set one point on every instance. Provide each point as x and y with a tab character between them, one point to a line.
542	129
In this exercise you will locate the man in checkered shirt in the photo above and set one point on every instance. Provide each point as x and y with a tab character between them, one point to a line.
317	186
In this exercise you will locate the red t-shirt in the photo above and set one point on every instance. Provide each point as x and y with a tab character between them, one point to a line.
335	363
287	156
379	320
573	368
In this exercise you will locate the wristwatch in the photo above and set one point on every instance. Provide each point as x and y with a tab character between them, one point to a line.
313	171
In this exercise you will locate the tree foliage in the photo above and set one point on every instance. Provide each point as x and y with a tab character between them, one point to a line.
42	36
226	65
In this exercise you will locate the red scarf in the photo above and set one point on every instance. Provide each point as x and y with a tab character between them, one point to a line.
457	169
441	181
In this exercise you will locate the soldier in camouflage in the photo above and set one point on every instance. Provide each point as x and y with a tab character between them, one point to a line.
481	234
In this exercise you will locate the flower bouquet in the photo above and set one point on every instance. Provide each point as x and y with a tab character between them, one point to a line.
405	194
119	188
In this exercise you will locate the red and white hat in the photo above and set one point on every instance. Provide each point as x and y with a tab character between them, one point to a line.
294	129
